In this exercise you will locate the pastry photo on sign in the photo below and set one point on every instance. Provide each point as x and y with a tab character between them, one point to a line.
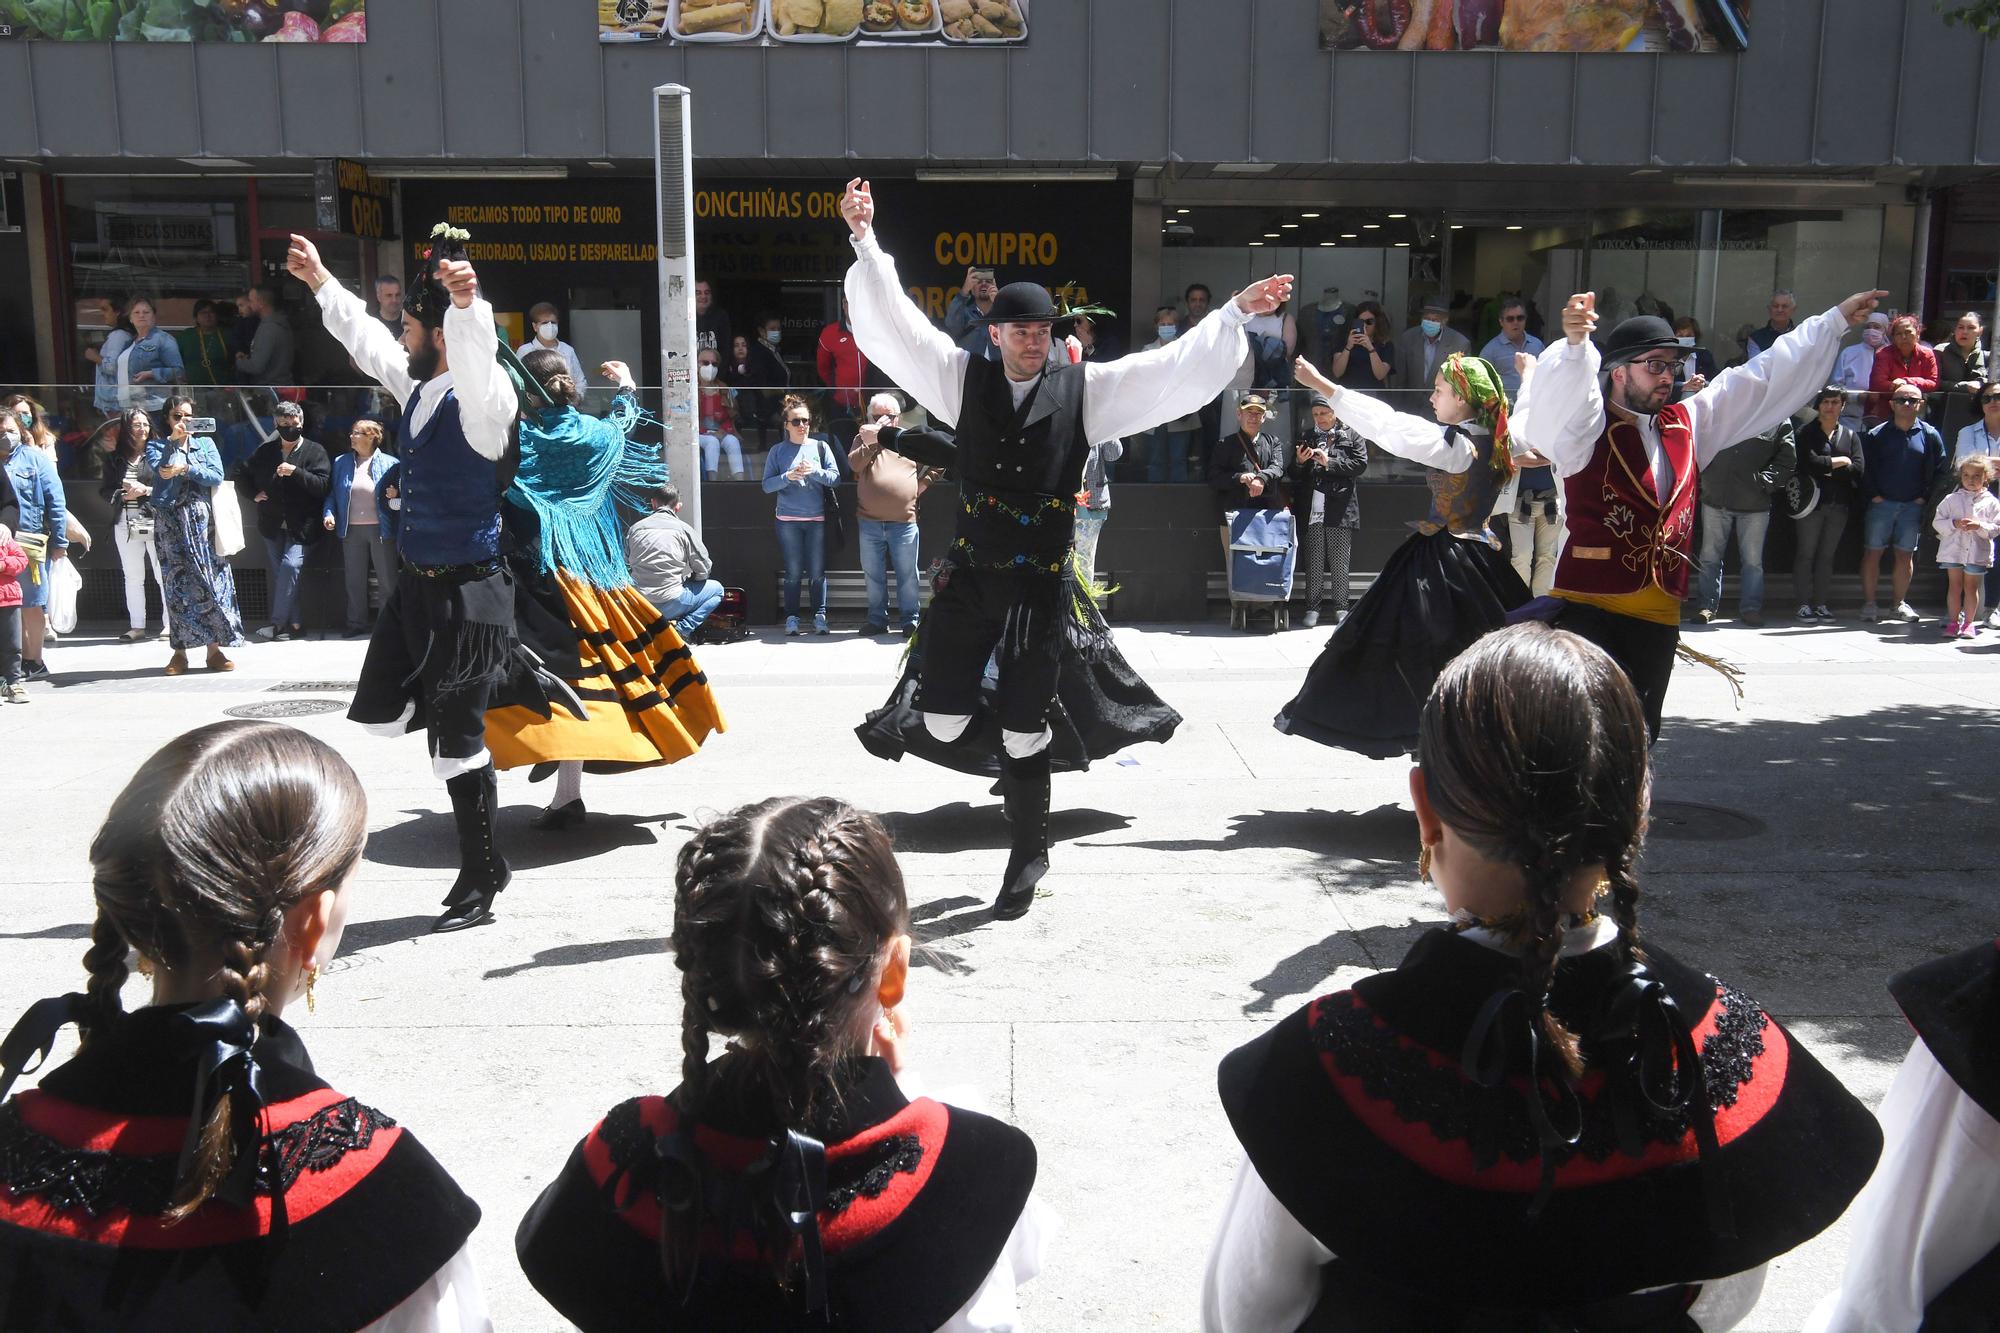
1578	26
727	18
984	20
808	20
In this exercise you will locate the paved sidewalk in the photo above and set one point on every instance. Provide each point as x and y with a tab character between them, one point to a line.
1832	830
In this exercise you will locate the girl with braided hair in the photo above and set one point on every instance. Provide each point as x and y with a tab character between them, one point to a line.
1441	589
790	1184
638	698
1536	1120
268	1200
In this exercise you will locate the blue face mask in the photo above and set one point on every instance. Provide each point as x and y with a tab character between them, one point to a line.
1168	332
1431	328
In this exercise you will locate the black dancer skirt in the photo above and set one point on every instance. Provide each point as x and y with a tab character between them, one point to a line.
1434	596
1101	707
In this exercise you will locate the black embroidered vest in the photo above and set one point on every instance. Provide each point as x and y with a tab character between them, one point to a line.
1019	469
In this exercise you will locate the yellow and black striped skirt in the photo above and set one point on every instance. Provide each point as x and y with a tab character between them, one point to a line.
645	699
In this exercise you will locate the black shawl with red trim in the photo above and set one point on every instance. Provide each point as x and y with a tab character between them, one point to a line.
87	1168
1357	1114
921	1198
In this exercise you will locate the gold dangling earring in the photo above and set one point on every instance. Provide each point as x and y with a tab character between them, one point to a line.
1424	862
312	977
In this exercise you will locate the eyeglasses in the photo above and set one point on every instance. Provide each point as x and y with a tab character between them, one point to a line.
182	416
798	421
1657	365
1907	402
1990	398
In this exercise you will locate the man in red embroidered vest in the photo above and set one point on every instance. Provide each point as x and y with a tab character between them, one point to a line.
1630	461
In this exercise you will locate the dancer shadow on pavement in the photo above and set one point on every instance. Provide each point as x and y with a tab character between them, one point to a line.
427	841
1308	973
964	827
1383	836
572	955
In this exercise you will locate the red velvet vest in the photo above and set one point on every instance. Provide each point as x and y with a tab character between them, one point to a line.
1621	537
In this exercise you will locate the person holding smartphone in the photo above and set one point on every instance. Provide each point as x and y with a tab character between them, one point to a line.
964	318
1368	358
197	584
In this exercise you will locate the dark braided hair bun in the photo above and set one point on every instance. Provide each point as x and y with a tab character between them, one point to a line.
552	372
782	911
214	839
1533	750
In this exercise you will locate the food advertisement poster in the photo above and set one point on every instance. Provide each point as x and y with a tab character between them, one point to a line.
184	20
1535	25
815	22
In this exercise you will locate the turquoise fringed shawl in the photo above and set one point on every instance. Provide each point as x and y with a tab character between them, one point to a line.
575	472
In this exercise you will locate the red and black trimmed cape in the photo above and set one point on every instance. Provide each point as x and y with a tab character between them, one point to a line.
1357	1115
921	1200
87	1166
1954	1005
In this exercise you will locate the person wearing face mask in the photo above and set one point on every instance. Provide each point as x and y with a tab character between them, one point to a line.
1169	445
542	319
1421	350
286	479
1856	367
1630	459
764	368
718	419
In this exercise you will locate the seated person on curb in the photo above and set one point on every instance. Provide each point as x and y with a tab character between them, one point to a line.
790	1184
670	566
281	1203
1536	1120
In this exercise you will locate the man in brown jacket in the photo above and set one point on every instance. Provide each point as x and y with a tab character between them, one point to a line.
889	486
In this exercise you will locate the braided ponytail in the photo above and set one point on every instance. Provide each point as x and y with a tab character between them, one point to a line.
105	962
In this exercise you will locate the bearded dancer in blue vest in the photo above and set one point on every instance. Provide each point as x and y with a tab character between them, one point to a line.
1024	432
445	643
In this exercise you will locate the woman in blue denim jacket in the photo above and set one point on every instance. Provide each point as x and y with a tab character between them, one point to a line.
39	492
152	360
199	587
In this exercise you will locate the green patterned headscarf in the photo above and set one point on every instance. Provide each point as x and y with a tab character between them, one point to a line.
1477	381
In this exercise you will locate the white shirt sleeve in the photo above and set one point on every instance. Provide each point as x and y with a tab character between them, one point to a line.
367	339
994	1308
1749	399
1263	1270
893	334
1561	410
451	1302
1403	434
1930	1211
1138	392
486	401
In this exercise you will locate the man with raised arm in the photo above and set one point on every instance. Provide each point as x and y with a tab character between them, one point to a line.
445	638
1024	426
1630	460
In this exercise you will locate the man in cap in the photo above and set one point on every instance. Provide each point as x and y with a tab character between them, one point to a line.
445	639
1421	350
1025	423
1246	469
1630	460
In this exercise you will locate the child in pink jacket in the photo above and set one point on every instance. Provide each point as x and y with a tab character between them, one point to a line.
13	560
1967	521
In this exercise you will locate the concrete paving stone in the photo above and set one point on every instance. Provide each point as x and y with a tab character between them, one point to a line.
1829	831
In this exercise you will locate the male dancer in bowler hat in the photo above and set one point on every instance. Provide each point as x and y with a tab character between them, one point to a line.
1024	431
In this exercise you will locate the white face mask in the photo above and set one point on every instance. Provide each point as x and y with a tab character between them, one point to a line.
1686	340
708	372
547	330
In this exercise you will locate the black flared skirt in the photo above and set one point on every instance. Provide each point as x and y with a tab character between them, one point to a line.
1101	707
1434	596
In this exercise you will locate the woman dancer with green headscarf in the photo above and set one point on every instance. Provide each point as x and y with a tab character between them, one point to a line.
1443	588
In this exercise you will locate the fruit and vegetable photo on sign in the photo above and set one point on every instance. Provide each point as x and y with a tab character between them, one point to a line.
1575	26
184	20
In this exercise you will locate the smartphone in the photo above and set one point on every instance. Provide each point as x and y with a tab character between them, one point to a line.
201	426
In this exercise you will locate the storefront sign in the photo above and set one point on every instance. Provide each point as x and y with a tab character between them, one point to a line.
534	238
1535	25
184	20
157	231
346	198
815	22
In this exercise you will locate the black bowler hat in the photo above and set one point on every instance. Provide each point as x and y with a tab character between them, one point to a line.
1639	335
1022	303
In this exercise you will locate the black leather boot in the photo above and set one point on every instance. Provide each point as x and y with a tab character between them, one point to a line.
1025	784
482	871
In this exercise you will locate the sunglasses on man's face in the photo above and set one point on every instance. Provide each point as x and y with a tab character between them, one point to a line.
1907	402
1991	398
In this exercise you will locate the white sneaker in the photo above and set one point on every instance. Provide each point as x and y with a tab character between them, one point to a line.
268	632
1870	612
1993	618
1904	611
1804	612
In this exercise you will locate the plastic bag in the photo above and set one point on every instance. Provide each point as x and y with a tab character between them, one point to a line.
225	515
64	585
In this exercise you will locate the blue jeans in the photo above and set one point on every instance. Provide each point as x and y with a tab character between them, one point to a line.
803	546
1167	454
693	606
1750	529
288	560
883	544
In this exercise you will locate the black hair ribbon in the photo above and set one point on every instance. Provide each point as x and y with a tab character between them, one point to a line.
35	1034
1643	1016
798	1185
1484	1061
225	1064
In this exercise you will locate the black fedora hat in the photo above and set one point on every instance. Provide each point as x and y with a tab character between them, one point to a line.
1022	303
1635	337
